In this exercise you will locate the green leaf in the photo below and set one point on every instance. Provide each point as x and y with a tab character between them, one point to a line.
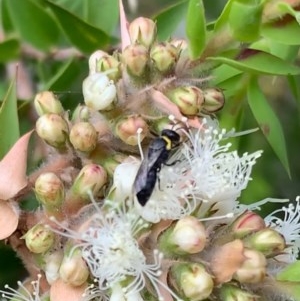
9	122
33	23
9	50
222	21
245	19
287	33
268	122
290	273
196	28
168	19
223	73
255	61
82	35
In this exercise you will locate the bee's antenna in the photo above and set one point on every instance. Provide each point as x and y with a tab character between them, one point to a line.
139	131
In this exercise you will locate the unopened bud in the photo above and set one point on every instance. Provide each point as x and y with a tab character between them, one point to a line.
53	262
233	293
83	136
247	223
81	113
189	99
110	64
142	31
193	280
39	239
164	56
135	57
180	44
73	269
94	59
253	269
99	91
46	102
53	129
187	237
127	129
91	178
214	100
268	241
49	190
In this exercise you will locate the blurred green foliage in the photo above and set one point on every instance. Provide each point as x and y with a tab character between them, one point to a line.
50	42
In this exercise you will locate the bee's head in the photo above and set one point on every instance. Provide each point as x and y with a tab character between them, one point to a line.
173	136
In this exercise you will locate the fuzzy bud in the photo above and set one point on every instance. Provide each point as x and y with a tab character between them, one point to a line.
73	269
94	59
83	136
142	31
196	284
268	241
164	56
53	262
135	57
247	223
233	293
46	102
189	99
39	239
99	91
187	237
53	129
214	100
253	269
49	190
127	129
92	178
110	64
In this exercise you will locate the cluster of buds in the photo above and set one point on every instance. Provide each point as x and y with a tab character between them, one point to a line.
116	248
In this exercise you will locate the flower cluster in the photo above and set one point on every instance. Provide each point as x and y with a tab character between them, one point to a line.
189	239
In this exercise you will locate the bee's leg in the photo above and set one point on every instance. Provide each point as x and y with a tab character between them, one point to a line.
172	163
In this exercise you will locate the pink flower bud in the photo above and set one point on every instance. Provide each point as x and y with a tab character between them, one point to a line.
164	56
247	223
135	58
83	136
53	129
39	239
46	102
189	99
142	31
253	269
214	100
99	91
127	129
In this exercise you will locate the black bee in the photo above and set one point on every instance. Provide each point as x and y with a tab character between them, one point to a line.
158	154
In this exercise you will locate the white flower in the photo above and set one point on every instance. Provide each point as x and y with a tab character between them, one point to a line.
288	226
98	91
23	294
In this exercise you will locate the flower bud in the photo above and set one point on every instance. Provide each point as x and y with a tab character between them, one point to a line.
187	237
127	129
253	269
73	269
189	99
92	178
81	113
268	241
49	190
195	283
39	239
99	91
111	65
164	56
53	129
233	293
46	102
214	100
135	58
83	136
53	262
180	44
142	31
93	60
247	223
